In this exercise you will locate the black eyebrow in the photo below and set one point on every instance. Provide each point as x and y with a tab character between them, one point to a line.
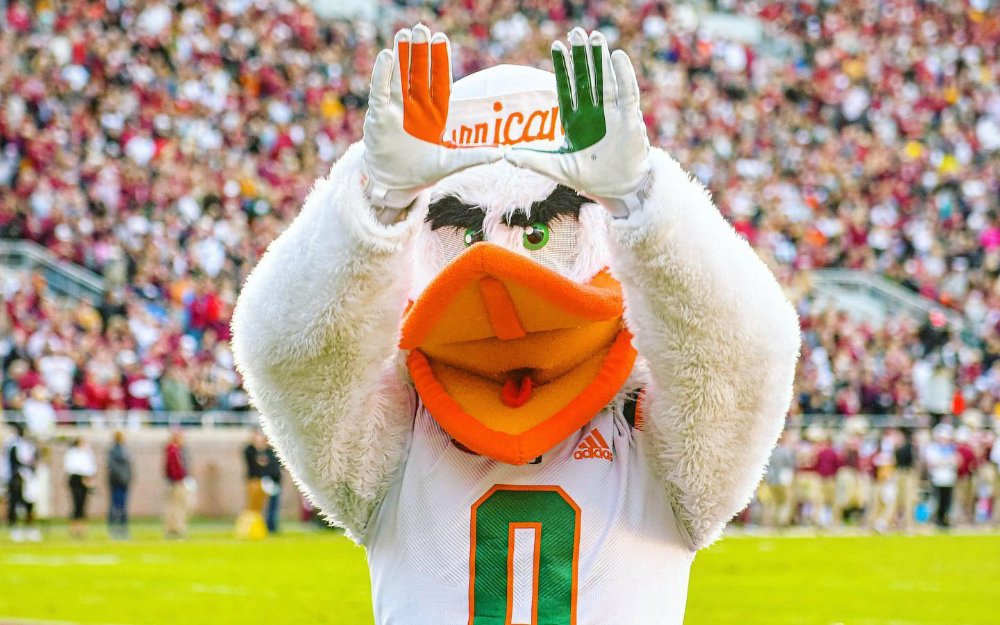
562	202
450	211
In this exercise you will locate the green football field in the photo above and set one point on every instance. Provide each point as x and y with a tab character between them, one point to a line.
306	577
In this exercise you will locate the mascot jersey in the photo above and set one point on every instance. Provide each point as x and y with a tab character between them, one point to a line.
579	536
531	380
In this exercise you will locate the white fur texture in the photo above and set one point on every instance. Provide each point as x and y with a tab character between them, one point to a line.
720	342
499	190
316	332
315	335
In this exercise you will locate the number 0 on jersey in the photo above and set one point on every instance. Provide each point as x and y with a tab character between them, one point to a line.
524	557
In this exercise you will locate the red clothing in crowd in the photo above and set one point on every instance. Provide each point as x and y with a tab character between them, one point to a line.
827	462
966	460
29	380
91	395
204	311
176	471
135	401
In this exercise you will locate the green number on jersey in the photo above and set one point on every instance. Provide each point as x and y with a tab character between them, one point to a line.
555	519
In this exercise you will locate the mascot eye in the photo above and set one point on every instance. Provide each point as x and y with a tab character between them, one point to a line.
473	235
536	236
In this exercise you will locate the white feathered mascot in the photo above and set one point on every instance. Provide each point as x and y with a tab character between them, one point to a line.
515	352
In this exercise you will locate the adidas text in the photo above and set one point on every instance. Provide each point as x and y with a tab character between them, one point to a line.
580	454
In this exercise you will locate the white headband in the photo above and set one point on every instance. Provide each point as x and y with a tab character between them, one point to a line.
506	105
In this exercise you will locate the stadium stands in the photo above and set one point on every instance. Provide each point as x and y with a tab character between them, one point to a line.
162	145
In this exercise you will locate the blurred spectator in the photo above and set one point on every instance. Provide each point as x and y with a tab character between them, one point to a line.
6	440
263	474
119	480
907	480
176	472
251	522
271	484
995	460
808	486
853	477
39	414
942	463
176	391
43	491
776	489
965	484
80	466
22	488
884	490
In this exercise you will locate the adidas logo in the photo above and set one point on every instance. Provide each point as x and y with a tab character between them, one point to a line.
594	446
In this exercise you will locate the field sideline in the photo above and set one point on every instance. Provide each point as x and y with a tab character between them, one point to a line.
319	577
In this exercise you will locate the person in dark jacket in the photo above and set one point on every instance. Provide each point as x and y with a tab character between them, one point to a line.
907	480
119	478
263	479
255	457
22	457
271	483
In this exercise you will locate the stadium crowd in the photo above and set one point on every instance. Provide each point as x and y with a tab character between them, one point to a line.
887	479
164	144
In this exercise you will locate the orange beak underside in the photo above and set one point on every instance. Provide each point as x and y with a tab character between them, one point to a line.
510	357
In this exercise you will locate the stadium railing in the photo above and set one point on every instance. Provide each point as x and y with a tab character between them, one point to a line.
62	277
891	297
134	419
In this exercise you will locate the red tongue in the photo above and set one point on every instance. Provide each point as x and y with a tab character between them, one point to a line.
515	394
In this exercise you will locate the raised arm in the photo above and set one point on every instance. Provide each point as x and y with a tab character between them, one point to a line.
718	336
314	336
316	327
721	343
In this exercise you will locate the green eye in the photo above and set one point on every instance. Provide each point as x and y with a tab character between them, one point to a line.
536	236
472	235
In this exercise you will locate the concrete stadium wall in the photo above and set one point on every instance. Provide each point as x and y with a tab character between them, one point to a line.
215	455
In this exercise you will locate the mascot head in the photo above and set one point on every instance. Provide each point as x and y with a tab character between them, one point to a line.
515	333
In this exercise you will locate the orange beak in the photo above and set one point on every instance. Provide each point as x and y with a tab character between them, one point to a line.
510	357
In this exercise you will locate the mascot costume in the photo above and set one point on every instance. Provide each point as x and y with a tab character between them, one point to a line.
516	353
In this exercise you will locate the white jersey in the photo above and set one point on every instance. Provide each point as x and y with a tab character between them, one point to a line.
584	537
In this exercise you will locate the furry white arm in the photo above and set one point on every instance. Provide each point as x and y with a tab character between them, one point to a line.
315	335
720	340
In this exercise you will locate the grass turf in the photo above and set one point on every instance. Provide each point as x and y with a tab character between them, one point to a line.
319	577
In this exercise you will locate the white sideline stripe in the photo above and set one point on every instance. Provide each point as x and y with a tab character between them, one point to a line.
524	576
220	590
23	621
57	561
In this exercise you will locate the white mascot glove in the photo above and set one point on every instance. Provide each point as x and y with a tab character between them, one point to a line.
407	111
605	155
